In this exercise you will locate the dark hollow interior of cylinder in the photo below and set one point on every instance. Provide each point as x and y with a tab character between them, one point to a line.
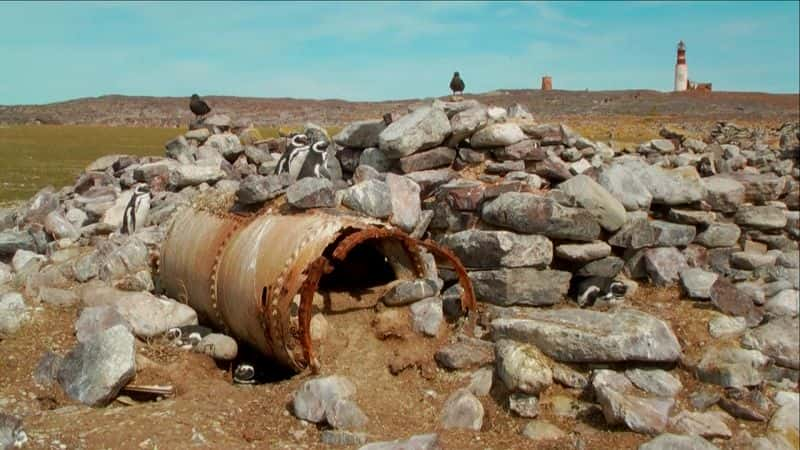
364	267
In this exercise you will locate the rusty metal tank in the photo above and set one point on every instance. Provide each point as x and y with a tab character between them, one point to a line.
255	277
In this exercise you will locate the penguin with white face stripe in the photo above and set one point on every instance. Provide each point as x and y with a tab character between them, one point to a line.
315	164
297	145
135	213
589	290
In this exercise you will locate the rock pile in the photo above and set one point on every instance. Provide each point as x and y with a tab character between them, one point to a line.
531	209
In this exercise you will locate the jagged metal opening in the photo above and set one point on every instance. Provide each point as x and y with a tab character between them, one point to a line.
364	267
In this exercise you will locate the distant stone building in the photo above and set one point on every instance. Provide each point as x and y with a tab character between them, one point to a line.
698	86
547	83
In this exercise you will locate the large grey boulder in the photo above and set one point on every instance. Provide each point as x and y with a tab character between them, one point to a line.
672	234
607	267
424	128
311	192
623	403
485	249
462	410
625	186
697	282
779	339
258	189
719	235
534	214
724	194
578	335
375	158
668	441
96	319
608	211
360	134
522	367
428	159
93	372
427	316
11	241
733	301
465	123
314	398
761	217
655	381
59	227
705	424
465	353
783	430
730	366
226	144
148	315
520	286
344	414
668	186
371	197
192	175
497	135
405	201
664	264
583	253
636	233
785	303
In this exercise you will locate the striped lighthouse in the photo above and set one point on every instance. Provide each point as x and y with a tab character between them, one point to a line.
681	69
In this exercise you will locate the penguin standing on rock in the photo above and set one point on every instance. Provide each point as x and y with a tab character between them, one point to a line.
316	162
457	84
135	213
298	144
198	106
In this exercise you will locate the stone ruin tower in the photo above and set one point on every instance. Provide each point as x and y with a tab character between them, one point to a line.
547	83
681	69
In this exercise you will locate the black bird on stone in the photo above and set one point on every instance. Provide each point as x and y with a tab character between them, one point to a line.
457	84
198	106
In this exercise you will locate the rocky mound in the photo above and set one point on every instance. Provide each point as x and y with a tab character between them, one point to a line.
556	232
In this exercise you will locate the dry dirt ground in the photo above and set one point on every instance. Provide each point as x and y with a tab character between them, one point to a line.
210	412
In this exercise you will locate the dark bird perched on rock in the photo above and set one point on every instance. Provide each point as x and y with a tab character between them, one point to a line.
588	290
457	84
198	106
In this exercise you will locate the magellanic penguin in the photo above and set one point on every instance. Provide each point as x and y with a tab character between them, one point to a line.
135	213
589	290
297	145
316	162
457	84
187	337
198	106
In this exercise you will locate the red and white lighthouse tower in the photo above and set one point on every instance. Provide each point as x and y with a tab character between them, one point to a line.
681	70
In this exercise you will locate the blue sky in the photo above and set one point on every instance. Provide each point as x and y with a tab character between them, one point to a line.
376	51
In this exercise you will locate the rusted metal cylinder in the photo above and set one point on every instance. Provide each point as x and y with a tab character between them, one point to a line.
254	278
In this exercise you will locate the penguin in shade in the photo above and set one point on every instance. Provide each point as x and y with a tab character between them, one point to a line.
135	213
589	290
187	337
457	84
198	106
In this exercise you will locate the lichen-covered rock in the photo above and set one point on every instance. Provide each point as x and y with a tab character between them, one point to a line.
485	249
730	366
522	367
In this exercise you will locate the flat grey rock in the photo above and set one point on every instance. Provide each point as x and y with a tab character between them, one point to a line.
344	414
422	129
315	397
672	234
462	410
779	339
624	404
625	186
96	319
311	192
534	214
541	431
465	353
405	292
93	372
726	326
427	316
664	264
697	282
405	201
761	217
708	425
730	366
655	381
520	286
497	135
371	197
608	211
360	134
719	235
583	253
487	249
785	303
724	194
578	335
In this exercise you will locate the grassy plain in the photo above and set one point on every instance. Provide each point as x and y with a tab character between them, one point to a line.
35	156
